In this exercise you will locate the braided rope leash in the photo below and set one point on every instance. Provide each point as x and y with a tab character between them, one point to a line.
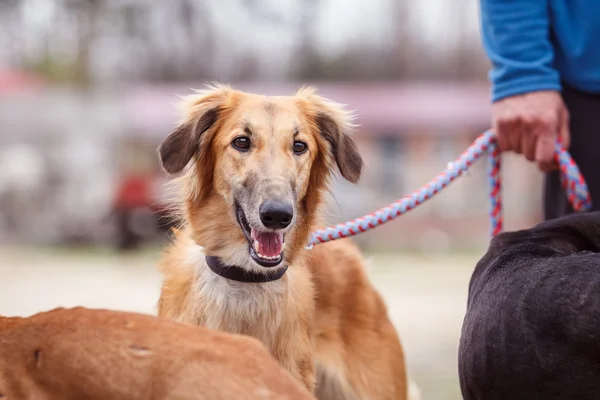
575	188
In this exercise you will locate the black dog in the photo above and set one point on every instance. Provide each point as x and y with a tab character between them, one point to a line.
532	326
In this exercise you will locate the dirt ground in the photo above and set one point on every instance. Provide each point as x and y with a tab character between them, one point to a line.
426	297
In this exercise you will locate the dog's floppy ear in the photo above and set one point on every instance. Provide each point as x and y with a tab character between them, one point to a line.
201	112
334	124
343	147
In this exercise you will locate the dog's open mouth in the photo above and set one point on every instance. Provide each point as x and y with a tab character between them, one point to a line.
265	248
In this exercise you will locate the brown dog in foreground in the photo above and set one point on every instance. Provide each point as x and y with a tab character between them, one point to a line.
90	354
252	194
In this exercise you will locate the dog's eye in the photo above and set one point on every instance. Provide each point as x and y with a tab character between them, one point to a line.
241	143
300	147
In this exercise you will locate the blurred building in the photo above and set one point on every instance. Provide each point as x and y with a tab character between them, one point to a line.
91	142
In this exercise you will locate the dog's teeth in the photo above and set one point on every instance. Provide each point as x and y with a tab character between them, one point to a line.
256	246
282	246
270	258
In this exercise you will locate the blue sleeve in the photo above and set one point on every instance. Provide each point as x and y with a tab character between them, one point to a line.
516	39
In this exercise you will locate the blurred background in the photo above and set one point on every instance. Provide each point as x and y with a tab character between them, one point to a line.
87	92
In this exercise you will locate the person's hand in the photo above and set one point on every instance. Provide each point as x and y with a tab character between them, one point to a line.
530	123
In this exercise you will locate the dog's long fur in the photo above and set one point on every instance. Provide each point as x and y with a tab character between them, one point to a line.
532	326
80	353
323	320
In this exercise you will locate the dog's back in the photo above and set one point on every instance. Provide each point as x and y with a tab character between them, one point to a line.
100	354
532	327
359	354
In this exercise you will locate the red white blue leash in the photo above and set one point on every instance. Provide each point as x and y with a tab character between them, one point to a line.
573	182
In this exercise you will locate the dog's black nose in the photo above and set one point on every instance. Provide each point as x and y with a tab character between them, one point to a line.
276	215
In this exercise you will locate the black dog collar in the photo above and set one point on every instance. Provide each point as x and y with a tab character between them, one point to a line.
236	273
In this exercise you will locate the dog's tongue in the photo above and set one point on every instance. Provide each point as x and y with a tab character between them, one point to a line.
270	244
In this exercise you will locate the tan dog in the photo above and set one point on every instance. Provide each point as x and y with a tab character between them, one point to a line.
251	196
89	354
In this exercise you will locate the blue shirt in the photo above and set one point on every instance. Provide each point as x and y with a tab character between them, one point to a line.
535	44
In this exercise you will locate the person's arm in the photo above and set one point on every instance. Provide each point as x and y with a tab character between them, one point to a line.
516	39
528	112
